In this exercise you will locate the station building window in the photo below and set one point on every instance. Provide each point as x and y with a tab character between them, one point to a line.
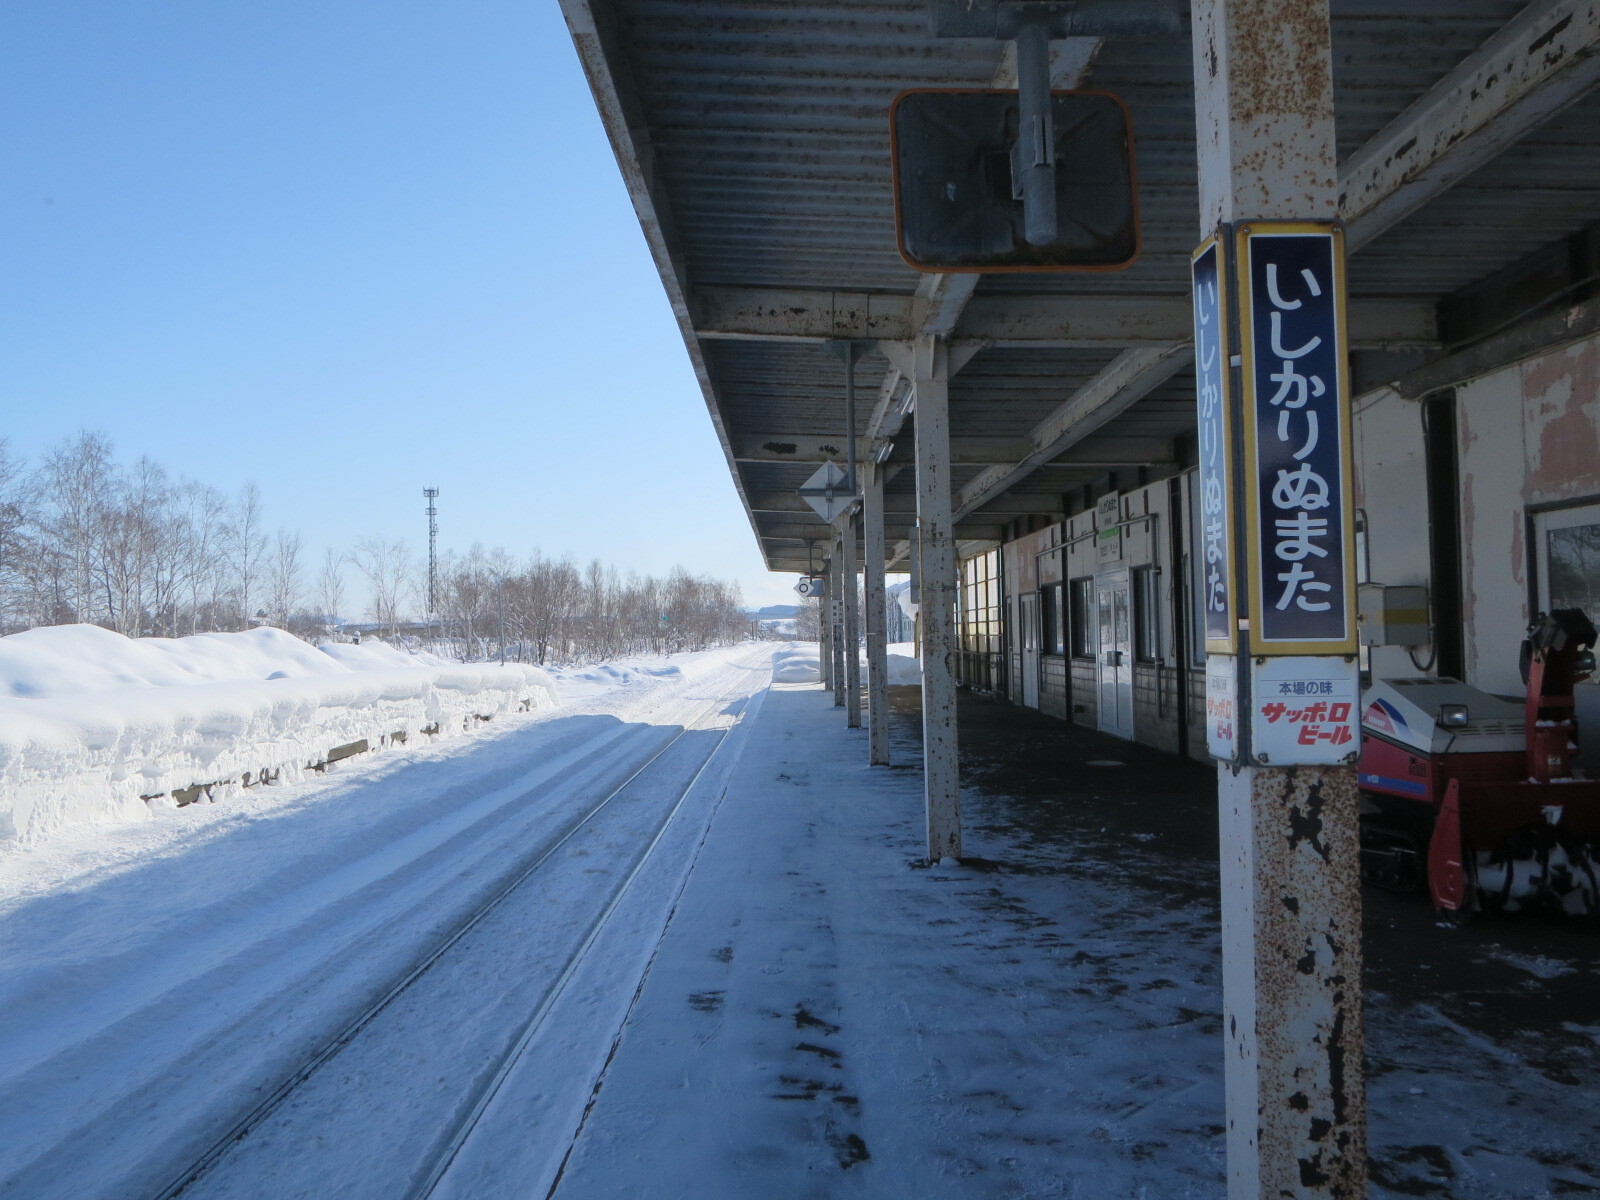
1052	605
978	624
1080	613
1146	614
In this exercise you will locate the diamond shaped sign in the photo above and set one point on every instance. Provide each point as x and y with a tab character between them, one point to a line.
828	491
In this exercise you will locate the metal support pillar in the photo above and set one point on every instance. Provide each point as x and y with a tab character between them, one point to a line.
825	630
937	562
1291	911
873	554
836	620
851	630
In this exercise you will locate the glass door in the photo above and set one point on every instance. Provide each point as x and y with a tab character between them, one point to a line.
1030	650
1114	619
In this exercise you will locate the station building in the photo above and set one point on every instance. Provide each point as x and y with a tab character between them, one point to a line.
1478	481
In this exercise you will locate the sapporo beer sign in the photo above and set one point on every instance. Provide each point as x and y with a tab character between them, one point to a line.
1297	438
1215	446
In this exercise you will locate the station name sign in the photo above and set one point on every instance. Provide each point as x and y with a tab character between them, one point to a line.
1274	528
1299	520
1215	499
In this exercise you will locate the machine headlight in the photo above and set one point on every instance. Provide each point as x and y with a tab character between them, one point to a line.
1453	716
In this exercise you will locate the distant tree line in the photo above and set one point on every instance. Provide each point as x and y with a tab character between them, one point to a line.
546	609
84	538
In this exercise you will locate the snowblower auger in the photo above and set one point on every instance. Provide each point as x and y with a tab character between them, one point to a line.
1473	796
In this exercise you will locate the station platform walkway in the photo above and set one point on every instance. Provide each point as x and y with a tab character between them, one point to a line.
827	1017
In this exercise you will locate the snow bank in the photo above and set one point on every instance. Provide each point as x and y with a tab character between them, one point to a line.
799	663
619	674
905	668
796	662
98	728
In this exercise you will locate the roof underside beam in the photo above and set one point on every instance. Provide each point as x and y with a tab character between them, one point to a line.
1540	61
964	451
1047	321
800	532
904	504
1130	377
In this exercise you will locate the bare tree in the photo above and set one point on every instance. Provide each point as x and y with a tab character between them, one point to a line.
247	550
283	579
330	585
84	539
19	547
387	567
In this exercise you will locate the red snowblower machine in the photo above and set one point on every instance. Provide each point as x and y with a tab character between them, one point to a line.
1474	796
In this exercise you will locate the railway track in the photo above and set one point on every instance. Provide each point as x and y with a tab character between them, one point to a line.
268	1141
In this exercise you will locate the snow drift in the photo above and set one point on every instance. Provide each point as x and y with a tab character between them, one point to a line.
96	727
799	663
905	668
796	662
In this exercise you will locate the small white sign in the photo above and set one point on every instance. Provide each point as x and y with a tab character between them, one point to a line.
1222	707
1108	530
1304	711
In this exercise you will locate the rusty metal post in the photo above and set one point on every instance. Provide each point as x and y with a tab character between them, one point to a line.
873	554
1291	914
824	631
1291	977
851	595
937	562
836	613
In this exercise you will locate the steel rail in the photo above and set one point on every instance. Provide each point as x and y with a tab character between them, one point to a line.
508	1063
273	1100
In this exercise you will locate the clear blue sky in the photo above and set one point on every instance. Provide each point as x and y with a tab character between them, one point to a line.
347	249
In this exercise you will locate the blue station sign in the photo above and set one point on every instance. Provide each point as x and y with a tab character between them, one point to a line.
1214	515
1297	486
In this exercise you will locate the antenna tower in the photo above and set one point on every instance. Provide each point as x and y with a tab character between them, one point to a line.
432	494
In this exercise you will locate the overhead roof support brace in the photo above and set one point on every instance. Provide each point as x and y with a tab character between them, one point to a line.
851	352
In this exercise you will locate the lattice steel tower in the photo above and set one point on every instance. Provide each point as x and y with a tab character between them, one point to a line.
432	494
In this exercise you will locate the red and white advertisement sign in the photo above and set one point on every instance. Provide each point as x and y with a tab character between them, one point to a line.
1222	707
1304	711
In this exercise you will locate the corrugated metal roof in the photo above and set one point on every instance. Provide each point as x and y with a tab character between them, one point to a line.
758	132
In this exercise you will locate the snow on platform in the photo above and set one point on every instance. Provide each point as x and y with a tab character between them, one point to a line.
800	662
825	1019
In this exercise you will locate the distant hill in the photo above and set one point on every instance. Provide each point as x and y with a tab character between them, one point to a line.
775	612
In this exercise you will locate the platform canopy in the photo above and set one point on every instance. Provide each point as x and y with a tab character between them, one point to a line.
754	139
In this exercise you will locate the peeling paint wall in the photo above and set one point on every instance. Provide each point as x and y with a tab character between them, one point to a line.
1493	462
1561	403
1529	435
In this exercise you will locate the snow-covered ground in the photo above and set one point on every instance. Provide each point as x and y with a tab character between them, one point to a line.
97	728
733	981
161	975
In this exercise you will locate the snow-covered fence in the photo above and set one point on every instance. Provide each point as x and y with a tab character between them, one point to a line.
262	707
